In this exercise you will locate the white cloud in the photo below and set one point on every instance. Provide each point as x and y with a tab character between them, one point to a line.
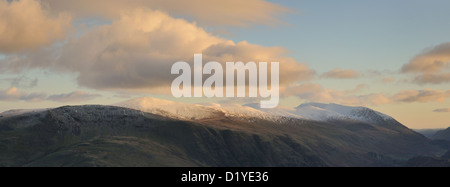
136	52
26	25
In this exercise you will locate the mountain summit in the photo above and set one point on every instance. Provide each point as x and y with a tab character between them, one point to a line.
329	112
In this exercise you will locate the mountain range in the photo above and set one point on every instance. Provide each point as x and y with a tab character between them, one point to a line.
154	132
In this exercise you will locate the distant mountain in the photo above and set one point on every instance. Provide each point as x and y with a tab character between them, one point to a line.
442	135
153	132
429	133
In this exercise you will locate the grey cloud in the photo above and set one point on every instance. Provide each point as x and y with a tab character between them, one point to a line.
433	78
339	73
33	97
442	110
22	82
13	94
317	93
76	96
426	95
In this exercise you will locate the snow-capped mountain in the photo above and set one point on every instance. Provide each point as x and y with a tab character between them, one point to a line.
186	111
167	133
183	111
169	108
309	111
330	112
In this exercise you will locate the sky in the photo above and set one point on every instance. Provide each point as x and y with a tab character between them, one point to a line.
391	56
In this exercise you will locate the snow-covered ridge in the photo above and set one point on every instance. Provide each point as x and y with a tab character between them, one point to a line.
308	111
327	112
183	111
168	108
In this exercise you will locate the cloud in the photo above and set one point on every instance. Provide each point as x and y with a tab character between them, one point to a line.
442	110
388	80
339	73
10	94
431	66
25	25
76	96
33	97
426	95
431	61
137	51
433	78
316	93
373	99
13	94
358	88
22	82
212	12
290	70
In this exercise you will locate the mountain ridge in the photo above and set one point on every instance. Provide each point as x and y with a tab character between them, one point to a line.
307	111
96	135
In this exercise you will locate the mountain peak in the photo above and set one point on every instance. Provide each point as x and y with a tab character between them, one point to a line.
170	109
332	111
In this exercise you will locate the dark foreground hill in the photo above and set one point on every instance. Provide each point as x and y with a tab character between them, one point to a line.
114	136
427	161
